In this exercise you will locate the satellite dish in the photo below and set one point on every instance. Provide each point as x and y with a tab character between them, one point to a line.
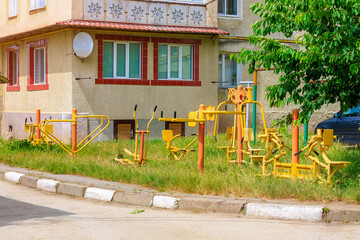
83	44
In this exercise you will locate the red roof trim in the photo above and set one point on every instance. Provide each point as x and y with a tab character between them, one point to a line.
111	26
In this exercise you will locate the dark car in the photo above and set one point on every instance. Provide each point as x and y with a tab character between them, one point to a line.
346	126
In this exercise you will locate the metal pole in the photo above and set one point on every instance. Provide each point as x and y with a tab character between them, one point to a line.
254	105
239	134
141	147
247	111
74	131
295	136
306	129
38	118
201	140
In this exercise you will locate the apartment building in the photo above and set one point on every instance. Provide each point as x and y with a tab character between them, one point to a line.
144	52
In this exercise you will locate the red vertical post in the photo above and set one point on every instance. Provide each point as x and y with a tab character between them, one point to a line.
38	118
141	147
295	136
201	139
239	136
74	131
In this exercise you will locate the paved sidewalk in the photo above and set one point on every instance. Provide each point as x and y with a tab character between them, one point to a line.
90	188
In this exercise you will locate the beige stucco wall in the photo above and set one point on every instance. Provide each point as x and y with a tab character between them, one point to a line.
118	101
58	98
115	101
55	102
26	20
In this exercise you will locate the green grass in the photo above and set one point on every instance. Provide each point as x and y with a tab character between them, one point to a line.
165	174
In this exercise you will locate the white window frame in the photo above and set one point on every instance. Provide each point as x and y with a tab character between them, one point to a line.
44	82
13	8
16	53
180	62
239	71
36	4
127	60
239	14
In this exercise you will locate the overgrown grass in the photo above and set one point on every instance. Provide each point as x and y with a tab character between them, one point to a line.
166	174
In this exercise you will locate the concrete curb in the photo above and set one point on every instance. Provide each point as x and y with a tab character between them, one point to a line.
287	212
47	185
13	176
99	194
165	202
189	203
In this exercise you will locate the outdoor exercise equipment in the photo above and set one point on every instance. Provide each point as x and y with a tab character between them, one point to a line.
274	145
177	153
33	138
45	128
322	140
200	116
239	98
137	158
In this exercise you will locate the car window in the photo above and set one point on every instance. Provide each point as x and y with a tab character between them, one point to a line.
354	112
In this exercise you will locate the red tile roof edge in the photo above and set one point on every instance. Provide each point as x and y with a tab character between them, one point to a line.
112	25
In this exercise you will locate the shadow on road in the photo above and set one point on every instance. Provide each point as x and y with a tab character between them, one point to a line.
12	210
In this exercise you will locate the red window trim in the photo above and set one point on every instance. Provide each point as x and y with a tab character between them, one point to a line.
10	87
31	48
144	56
196	81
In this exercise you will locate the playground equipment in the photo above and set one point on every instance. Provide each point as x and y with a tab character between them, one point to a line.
46	128
201	116
239	98
177	153
322	140
33	138
138	159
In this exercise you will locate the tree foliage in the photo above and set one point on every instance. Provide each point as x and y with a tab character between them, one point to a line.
323	67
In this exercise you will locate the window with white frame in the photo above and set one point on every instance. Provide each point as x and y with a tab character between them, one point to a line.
13	8
231	8
230	72
35	4
122	60
175	62
39	66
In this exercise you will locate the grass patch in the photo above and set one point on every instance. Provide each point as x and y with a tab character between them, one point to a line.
165	174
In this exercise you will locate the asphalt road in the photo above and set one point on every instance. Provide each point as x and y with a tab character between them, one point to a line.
30	214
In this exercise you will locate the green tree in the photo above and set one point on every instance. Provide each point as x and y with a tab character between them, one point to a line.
323	67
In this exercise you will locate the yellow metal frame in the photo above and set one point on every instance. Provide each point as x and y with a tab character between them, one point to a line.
135	155
31	129
230	149
46	128
321	141
177	153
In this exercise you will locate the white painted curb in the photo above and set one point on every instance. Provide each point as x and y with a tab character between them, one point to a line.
99	194
47	185
165	202
13	176
288	212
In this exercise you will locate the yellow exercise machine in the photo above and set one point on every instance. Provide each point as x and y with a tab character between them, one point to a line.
177	153
137	159
322	140
44	132
239	98
32	137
